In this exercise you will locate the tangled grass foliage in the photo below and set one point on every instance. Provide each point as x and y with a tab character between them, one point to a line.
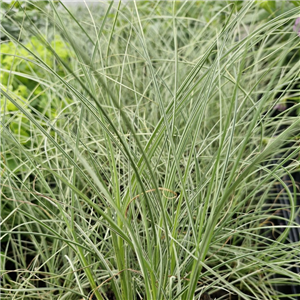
139	156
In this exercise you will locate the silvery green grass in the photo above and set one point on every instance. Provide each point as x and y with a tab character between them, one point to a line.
138	147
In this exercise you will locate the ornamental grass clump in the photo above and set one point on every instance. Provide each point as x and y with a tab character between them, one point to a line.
142	167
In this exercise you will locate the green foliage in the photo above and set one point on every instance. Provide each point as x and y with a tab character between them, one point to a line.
296	2
20	76
12	14
139	166
275	8
269	6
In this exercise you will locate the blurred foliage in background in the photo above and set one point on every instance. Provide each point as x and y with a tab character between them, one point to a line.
21	12
27	80
24	78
